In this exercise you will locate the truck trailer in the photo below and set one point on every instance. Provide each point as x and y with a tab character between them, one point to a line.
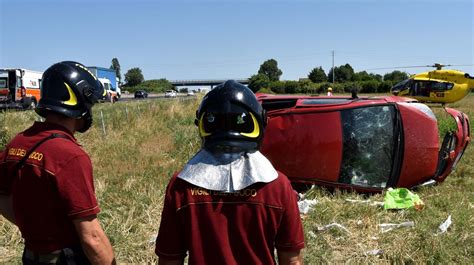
19	88
108	79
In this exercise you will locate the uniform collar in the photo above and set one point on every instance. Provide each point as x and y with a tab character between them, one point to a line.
47	126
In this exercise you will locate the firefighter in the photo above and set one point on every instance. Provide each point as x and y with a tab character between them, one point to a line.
229	205
46	182
329	91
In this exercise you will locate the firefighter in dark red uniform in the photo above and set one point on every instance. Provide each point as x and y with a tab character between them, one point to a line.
229	205
46	184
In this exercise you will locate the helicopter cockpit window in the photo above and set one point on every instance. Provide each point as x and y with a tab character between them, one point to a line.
421	88
402	85
438	86
368	146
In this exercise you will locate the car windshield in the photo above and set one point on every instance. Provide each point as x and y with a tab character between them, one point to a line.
368	146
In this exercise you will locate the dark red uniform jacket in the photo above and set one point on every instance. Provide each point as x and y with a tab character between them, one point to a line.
236	228
54	187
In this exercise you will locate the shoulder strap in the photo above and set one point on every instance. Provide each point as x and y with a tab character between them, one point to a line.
52	136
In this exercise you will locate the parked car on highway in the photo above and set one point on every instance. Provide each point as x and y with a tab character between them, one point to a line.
190	93
141	94
170	94
364	144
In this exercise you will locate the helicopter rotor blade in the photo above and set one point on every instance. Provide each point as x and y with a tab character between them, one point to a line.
399	67
459	65
419	66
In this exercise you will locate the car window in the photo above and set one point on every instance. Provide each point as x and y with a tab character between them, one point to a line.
368	146
3	82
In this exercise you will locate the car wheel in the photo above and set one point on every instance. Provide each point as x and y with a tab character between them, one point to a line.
33	104
28	103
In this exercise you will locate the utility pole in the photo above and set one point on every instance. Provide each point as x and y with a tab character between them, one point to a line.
333	66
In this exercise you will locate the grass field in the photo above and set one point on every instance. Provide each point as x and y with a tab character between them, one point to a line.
142	143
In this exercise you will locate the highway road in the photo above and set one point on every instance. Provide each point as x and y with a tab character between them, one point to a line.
124	98
128	97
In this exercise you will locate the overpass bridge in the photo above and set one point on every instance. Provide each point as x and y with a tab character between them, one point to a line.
204	82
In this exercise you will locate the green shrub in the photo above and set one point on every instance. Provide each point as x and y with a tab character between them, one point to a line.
266	91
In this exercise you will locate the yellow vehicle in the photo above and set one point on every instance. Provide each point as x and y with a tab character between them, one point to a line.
437	86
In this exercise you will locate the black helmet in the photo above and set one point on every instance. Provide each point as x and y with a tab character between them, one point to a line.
231	116
69	88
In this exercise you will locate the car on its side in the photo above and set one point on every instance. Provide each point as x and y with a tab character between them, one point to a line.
364	144
170	94
141	94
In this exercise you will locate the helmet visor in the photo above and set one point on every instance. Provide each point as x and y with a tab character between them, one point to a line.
236	120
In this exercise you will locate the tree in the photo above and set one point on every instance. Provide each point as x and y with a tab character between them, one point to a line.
317	75
342	73
330	74
364	76
257	82
277	87
395	76
156	85
270	69
134	77
292	87
116	66
376	77
361	76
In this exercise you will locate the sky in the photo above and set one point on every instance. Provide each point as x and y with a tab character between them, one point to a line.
230	39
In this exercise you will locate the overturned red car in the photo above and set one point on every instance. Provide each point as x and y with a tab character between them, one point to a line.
366	144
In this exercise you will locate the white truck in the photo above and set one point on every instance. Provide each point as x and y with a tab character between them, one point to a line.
113	94
109	80
19	88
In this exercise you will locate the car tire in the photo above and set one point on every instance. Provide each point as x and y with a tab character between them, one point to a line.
32	104
29	103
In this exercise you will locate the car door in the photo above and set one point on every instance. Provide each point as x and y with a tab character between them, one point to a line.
453	146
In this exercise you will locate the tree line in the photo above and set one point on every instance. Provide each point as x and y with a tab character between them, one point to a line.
342	79
345	79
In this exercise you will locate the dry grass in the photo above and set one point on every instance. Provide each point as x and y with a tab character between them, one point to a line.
147	141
